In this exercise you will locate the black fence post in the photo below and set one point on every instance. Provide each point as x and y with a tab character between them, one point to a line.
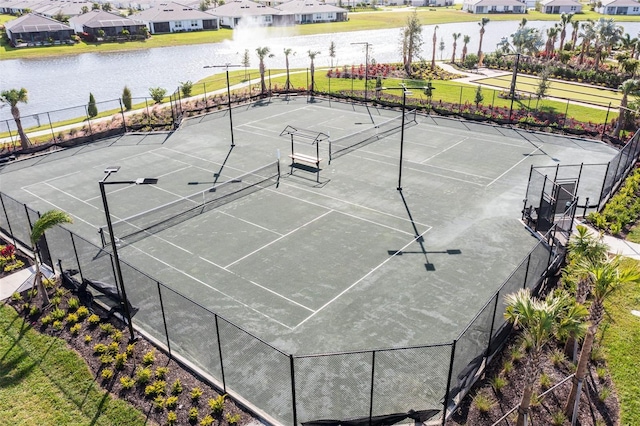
604	183
293	391
26	212
224	383
446	392
526	271
75	252
373	370
164	320
124	119
53	135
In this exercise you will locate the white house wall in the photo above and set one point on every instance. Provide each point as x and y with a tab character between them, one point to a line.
186	25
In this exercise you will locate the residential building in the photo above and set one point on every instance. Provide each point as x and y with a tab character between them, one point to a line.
174	17
36	30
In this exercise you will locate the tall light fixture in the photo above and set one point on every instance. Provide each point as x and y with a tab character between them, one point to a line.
226	66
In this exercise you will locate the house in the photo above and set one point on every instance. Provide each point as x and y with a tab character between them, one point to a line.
174	17
494	6
311	11
101	24
35	30
618	7
431	3
236	11
560	6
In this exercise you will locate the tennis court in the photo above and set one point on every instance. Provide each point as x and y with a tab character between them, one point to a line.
309	262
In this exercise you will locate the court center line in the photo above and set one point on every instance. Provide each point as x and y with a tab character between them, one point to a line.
271	116
257	285
59	208
50	179
249	222
212	288
278	239
361	279
443	151
515	165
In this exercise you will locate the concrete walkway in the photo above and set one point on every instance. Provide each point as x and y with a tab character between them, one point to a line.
616	245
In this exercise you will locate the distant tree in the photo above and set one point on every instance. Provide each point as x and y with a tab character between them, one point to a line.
410	40
565	21
543	85
262	53
433	56
85	9
287	52
246	62
107	7
186	87
441	47
92	109
627	88
61	17
12	98
456	36
312	56
471	61
204	5
332	51
465	40
126	98
479	97
157	94
483	23
95	6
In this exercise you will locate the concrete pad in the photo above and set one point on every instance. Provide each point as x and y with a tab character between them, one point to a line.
16	281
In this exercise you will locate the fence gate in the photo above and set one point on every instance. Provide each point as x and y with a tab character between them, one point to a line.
547	200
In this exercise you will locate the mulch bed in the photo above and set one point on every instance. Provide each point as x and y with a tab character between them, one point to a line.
84	342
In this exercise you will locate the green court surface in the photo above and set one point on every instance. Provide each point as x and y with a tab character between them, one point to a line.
312	263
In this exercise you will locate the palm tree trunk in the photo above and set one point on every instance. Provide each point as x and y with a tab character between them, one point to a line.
24	139
287	85
525	403
313	81
581	370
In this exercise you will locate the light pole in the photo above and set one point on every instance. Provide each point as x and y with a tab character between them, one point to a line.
405	92
366	67
119	281
226	66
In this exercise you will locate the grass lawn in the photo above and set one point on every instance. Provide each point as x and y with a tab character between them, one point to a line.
560	89
634	235
44	383
621	331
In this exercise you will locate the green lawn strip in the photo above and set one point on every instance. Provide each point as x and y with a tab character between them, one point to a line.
357	22
621	342
576	92
42	382
634	236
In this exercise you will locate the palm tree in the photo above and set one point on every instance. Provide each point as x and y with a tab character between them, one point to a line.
47	221
628	87
538	320
312	68
588	34
12	98
483	23
552	33
262	53
582	246
607	35
287	52
433	57
604	278
574	34
465	40
456	36
565	19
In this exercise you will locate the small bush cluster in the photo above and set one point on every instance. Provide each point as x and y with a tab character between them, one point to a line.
622	210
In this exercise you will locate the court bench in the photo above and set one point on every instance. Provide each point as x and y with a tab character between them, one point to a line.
303	158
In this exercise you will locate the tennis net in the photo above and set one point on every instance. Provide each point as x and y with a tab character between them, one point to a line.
137	227
353	141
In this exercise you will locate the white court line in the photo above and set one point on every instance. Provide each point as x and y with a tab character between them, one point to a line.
270	117
249	222
186	154
49	180
444	150
212	288
515	165
460	132
59	208
257	285
360	280
278	239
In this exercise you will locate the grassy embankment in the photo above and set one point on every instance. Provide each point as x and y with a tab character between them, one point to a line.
42	382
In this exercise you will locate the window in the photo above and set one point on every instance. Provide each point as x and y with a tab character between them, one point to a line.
267	18
635	9
494	8
194	23
574	8
318	17
178	24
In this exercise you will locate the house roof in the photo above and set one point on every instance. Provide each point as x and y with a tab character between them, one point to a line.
631	3
561	3
31	23
169	11
496	3
303	7
102	19
244	8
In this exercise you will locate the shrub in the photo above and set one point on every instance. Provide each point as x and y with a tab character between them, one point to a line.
604	393
176	388
217	404
127	382
73	304
58	325
161	372
16	297
46	320
232	419
545	381
195	394
557	357
48	283
126	98
149	358
87	339
207	420
34	310
72	319
130	348
82	312
498	383
75	329
57	314
106	359
171	402
172	417
113	348
483	402
158	402
193	415
92	109
121	360
56	300
59	292
107	328
143	376
107	374
186	87
156	388
157	94
558	418
116	336
93	320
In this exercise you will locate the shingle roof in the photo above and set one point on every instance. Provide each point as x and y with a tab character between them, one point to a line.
170	11
561	3
631	3
244	8
31	23
307	6
102	19
496	3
